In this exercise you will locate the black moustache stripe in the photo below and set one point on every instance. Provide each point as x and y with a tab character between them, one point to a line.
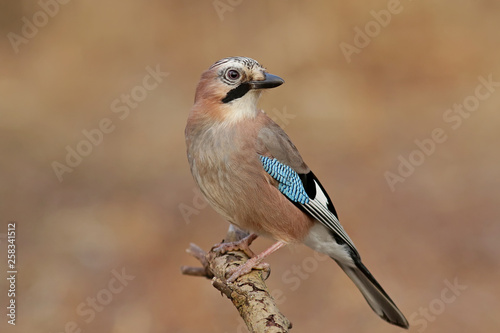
236	93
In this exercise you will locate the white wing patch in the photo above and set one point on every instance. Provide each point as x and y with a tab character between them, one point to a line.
318	208
320	196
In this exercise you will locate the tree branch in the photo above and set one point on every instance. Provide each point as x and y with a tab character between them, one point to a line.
248	293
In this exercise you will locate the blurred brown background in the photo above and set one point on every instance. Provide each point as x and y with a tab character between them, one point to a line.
119	210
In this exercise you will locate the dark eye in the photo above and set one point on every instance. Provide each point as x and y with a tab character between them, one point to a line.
233	75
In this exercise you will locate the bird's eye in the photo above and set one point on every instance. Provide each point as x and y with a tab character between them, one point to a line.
233	75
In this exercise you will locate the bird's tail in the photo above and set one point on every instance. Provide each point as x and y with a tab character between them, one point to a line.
376	297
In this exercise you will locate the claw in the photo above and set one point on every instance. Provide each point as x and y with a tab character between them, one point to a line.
241	245
253	263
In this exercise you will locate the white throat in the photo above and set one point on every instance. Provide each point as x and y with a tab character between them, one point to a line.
243	108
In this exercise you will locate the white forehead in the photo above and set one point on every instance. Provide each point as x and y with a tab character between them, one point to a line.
243	62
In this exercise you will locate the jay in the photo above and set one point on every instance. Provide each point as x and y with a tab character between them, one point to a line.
251	173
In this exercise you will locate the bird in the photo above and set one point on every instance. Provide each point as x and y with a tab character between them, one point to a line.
252	174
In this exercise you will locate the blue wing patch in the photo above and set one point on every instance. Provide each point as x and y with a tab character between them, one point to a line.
289	181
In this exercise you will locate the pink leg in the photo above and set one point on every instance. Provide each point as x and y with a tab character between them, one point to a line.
254	262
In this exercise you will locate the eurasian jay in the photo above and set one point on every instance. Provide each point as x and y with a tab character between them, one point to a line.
252	174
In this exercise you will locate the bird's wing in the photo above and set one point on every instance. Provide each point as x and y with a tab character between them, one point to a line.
282	161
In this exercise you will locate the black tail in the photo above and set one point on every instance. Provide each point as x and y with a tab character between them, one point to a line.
376	297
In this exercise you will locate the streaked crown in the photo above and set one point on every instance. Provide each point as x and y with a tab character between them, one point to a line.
231	87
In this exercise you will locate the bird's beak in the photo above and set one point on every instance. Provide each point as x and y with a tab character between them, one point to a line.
270	81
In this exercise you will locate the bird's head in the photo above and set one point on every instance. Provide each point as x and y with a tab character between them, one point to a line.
231	87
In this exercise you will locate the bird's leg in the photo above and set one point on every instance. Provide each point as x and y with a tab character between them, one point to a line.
255	262
242	245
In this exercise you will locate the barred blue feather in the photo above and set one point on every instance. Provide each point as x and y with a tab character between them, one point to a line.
289	181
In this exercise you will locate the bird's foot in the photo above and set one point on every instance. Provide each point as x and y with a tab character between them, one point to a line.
241	245
256	262
253	263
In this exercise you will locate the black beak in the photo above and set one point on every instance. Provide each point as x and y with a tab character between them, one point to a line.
270	81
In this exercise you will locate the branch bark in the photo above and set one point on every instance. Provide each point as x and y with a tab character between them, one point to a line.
249	293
